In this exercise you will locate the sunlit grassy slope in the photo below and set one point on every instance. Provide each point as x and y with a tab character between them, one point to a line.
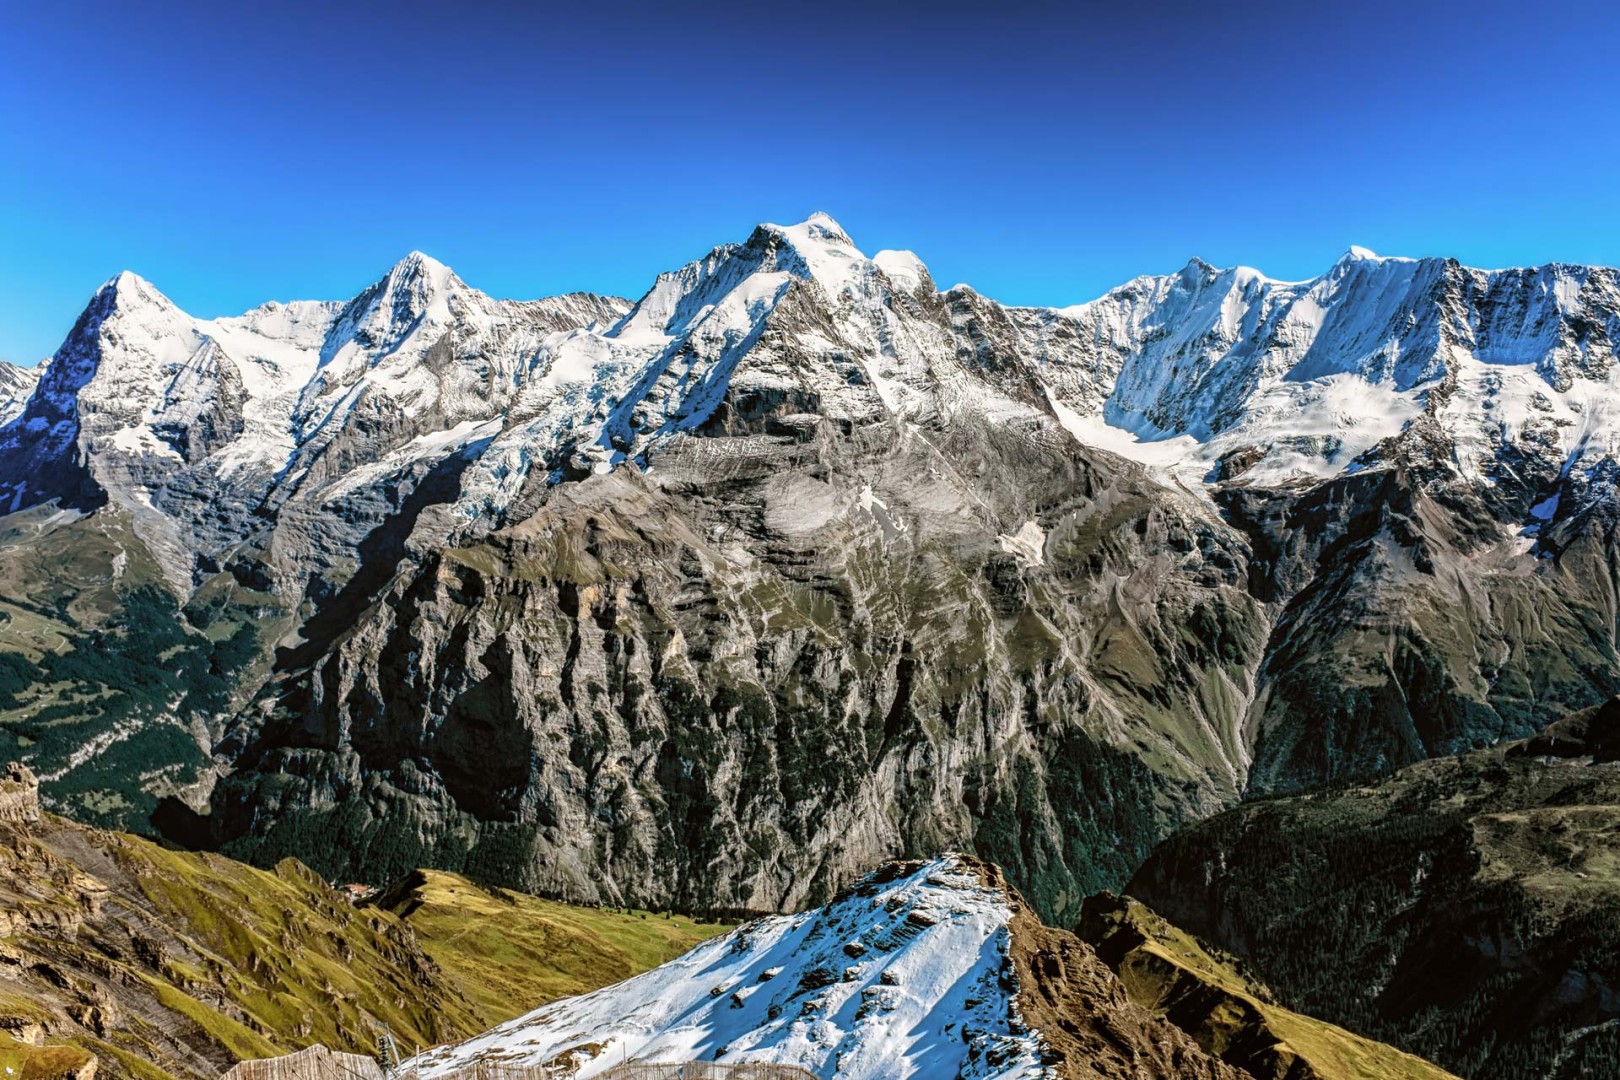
504	948
1208	994
165	963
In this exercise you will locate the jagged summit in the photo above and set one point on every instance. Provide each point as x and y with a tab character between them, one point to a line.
1179	372
819	227
1357	258
415	290
129	292
416	261
421	275
125	279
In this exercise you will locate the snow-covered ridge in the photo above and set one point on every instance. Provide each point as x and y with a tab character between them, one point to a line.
16	384
907	975
1317	373
206	428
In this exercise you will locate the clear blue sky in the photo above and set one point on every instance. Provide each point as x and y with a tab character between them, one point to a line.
1042	153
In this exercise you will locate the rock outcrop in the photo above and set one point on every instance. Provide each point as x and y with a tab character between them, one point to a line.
19	793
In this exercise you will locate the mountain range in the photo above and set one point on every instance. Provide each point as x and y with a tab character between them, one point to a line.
717	598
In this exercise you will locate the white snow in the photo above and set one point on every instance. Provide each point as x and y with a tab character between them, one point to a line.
424	449
16	387
1299	380
830	254
903	268
893	527
1163	455
908	978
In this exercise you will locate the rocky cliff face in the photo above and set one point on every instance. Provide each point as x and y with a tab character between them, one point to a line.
798	562
740	690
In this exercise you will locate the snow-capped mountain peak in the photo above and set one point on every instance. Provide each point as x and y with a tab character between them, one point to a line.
417	290
828	255
419	281
133	289
1204	375
1197	270
819	226
905	270
419	262
130	296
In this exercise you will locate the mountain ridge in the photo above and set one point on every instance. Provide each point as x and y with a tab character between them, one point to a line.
936	968
1461	908
1209	535
1134	408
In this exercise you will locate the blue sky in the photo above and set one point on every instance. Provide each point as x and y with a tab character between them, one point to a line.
1040	152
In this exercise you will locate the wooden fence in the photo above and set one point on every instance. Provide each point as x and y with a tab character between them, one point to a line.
315	1063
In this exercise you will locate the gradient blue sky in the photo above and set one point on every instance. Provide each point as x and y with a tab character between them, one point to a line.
1040	152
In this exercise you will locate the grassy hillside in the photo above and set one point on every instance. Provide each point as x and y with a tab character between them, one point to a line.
109	689
1209	995
1467	908
164	963
500	947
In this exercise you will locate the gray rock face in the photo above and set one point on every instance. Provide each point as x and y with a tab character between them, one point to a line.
202	407
798	563
1410	629
741	688
19	793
